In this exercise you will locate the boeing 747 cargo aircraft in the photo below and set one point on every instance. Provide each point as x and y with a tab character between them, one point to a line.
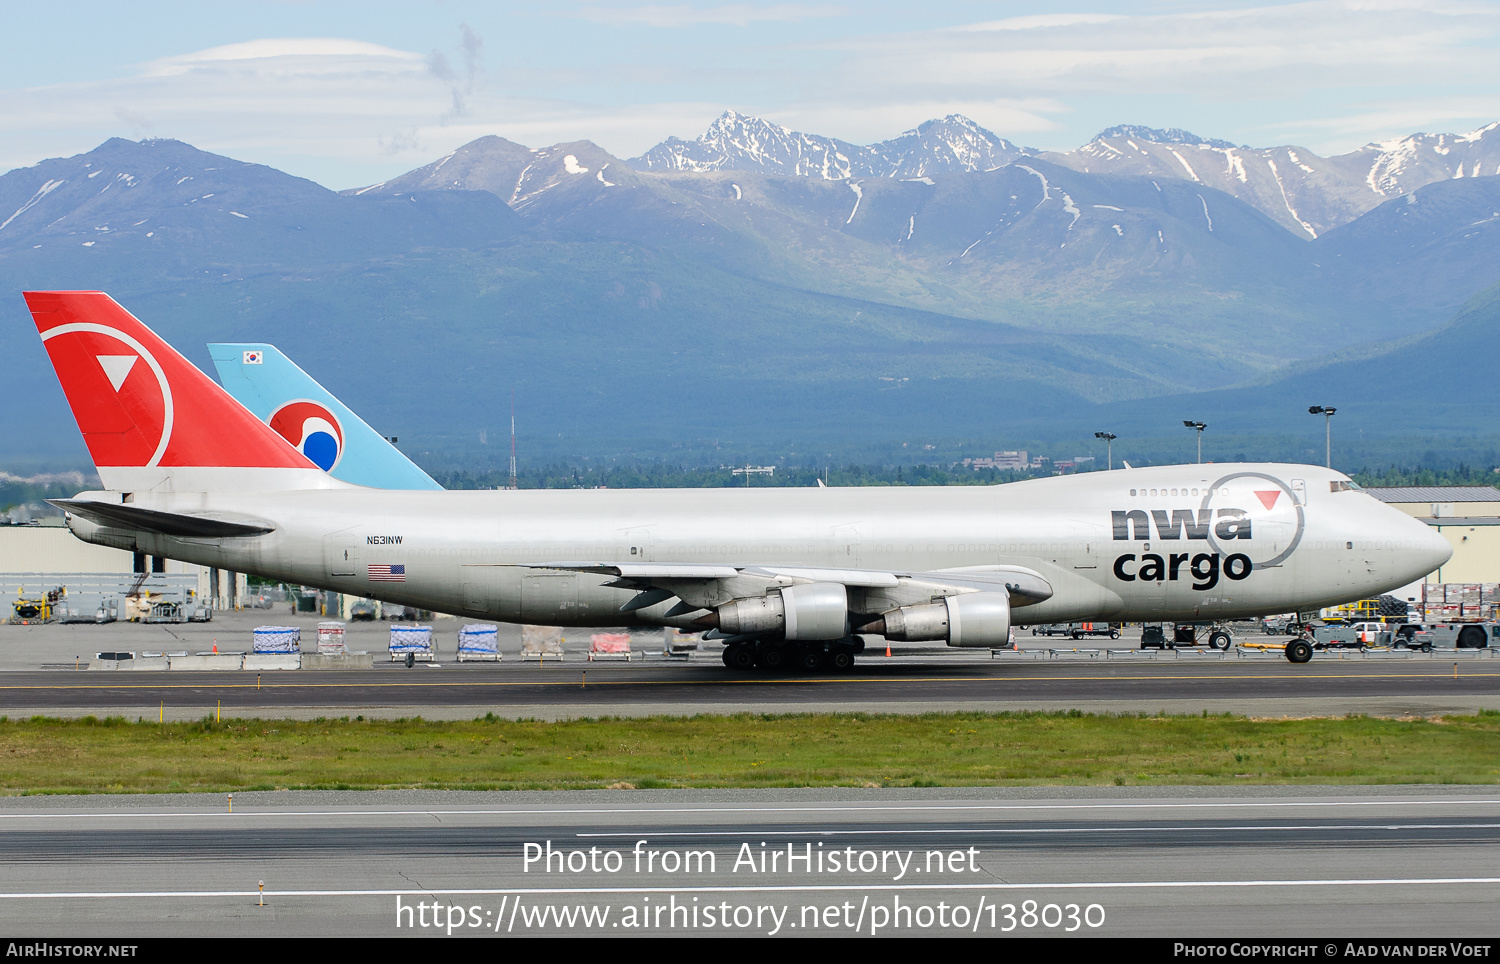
788	576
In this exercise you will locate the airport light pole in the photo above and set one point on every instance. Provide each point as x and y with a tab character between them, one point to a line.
1200	426
1327	414
1108	446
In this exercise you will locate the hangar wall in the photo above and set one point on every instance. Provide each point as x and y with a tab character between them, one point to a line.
48	553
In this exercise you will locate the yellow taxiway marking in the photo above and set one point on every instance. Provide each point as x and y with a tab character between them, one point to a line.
720	682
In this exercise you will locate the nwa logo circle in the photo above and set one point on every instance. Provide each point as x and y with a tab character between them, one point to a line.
312	429
1244	521
1272	515
128	418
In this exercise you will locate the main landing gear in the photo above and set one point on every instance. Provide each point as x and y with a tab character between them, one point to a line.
798	656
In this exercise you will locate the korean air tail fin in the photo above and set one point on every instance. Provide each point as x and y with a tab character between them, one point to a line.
312	420
152	421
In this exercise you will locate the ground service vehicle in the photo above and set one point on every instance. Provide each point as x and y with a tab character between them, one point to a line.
1430	636
1078	630
1184	634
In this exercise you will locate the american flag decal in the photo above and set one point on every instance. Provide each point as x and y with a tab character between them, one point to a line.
387	573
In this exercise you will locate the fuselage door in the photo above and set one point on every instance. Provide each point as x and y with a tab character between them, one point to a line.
633	545
341	554
846	546
1088	552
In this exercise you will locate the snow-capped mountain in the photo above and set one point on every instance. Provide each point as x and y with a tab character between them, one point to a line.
739	142
1400	166
1171	135
165	200
1305	193
946	146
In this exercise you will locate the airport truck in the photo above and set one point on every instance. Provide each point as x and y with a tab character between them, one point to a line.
1154	635
1429	636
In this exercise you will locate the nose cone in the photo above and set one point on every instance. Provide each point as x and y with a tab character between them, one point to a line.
1429	549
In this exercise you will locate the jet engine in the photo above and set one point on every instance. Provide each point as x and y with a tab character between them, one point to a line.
817	610
968	619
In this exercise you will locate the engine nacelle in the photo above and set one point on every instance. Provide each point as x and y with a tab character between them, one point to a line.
969	619
818	610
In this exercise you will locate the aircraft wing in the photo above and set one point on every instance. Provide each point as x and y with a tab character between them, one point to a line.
702	586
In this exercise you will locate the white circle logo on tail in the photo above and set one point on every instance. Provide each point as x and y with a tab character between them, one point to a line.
1255	514
117	367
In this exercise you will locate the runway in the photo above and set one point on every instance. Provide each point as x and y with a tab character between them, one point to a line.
1403	862
1264	685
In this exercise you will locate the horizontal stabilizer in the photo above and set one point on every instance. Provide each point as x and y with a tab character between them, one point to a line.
166	523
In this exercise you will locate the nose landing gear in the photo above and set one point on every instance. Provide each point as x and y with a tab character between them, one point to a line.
1299	651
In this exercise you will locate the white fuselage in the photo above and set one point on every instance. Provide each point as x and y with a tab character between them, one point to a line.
1195	542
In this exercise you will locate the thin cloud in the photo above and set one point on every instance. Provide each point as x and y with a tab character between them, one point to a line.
734	14
1256	51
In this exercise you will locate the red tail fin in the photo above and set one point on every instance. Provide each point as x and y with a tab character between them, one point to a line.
137	401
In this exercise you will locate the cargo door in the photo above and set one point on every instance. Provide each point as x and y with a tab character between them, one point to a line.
491	591
549	599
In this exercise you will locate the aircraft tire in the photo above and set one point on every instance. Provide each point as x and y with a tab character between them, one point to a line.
772	658
739	656
809	660
841	660
1299	651
1219	640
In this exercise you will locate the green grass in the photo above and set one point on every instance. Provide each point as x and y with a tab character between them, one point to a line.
42	755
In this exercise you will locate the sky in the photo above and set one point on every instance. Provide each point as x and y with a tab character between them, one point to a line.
349	94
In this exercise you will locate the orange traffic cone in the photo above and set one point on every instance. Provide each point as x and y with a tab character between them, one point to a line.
216	646
887	650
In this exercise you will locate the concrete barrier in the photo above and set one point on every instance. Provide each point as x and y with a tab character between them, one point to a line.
221	661
345	661
266	661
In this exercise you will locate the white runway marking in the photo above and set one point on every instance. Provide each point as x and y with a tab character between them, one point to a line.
768	888
1025	830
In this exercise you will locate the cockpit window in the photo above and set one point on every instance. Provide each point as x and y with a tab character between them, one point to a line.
1341	485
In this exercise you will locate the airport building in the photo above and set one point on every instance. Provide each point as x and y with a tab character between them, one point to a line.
1468	516
41	557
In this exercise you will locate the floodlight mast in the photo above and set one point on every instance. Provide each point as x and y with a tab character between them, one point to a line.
1109	440
1200	426
1327	414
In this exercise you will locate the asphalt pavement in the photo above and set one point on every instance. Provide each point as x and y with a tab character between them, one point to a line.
1211	862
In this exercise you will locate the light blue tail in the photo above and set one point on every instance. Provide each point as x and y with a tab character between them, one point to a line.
307	415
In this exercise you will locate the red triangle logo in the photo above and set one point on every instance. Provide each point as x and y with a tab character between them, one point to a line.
1268	499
